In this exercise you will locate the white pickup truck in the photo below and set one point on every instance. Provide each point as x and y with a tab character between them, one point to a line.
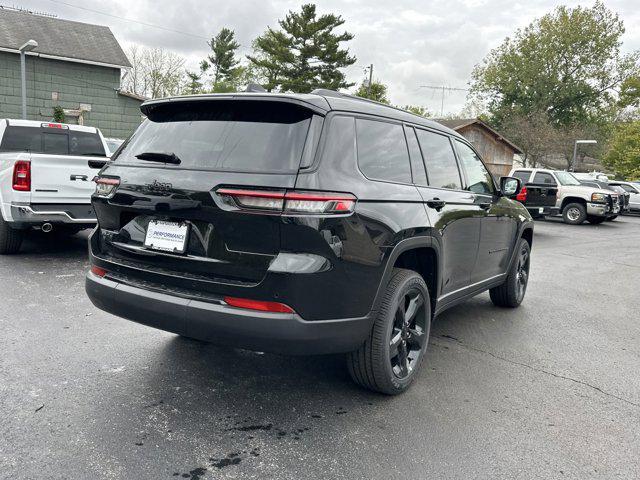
46	173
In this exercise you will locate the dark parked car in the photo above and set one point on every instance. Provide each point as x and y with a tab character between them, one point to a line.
303	224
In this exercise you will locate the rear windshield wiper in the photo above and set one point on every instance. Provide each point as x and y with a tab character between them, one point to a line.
159	157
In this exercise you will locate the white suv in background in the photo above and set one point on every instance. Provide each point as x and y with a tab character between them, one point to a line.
576	202
46	173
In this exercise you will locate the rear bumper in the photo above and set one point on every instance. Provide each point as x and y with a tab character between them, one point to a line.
541	211
222	324
77	214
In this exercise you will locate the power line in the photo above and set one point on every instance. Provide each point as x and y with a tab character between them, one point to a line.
167	29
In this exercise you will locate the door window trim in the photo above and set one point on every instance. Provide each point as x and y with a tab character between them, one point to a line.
455	156
461	166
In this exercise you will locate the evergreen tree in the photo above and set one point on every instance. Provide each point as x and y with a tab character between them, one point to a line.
223	59
304	55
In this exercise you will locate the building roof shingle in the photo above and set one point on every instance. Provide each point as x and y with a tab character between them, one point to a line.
61	38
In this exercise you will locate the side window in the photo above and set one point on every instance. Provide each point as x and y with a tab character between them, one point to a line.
523	175
417	165
479	178
629	188
382	151
56	143
543	177
84	143
442	168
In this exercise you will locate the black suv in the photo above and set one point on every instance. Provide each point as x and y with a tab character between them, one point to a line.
303	224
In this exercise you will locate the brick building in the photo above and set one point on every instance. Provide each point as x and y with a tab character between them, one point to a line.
76	66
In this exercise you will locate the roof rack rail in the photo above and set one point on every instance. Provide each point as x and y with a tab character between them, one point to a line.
325	92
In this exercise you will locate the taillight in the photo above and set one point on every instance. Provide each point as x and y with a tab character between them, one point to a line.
105	186
522	195
100	272
54	125
22	176
259	305
293	202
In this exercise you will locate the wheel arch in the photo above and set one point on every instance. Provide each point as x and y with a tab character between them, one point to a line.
567	200
422	255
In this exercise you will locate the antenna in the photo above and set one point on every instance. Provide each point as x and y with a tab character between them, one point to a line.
13	8
443	88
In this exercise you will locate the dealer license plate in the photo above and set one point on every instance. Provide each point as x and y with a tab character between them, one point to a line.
167	236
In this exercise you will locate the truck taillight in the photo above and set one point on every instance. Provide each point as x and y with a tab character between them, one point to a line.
22	176
522	195
290	202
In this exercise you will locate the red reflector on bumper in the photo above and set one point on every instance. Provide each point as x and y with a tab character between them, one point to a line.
101	272
258	305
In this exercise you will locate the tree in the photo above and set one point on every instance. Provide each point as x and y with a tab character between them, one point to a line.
417	110
567	65
305	54
194	79
155	72
377	92
623	155
58	114
223	59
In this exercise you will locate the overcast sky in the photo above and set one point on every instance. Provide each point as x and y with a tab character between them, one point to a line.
411	43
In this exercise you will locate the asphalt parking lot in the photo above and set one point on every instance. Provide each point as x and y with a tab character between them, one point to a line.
550	390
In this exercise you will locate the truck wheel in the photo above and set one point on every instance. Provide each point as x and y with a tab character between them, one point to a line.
574	213
511	292
390	358
10	238
611	219
596	220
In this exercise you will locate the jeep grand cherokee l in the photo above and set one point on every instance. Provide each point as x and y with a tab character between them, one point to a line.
303	224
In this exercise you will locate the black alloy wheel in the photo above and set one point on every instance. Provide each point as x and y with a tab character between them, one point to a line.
408	334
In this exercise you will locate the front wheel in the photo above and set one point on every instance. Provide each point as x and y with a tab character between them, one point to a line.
611	219
574	213
511	293
390	358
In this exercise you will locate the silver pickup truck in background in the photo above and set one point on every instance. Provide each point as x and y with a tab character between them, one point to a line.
575	202
46	173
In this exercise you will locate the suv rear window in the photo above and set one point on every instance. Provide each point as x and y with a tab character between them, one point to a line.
243	136
523	175
51	141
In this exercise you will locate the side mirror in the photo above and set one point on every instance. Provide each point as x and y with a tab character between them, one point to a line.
510	186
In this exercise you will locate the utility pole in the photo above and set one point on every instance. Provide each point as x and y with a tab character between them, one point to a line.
27	47
370	80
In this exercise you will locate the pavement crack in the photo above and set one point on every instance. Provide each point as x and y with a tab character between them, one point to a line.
454	340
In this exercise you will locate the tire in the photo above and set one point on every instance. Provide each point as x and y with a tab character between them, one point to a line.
611	219
596	220
574	213
374	365
10	238
511	293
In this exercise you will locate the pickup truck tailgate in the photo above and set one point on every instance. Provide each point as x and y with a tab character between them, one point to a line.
541	195
63	178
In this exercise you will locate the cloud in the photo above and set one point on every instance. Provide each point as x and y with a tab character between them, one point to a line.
410	42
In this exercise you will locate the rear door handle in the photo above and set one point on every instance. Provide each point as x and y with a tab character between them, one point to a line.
436	204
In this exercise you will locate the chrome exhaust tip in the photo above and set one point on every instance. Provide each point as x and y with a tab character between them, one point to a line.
46	227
